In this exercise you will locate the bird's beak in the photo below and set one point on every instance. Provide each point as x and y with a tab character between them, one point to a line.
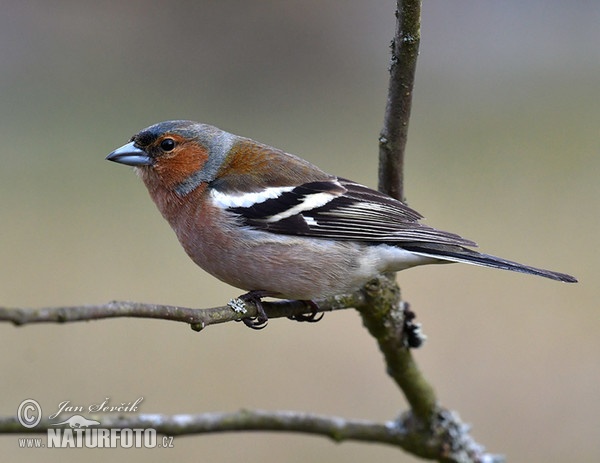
130	155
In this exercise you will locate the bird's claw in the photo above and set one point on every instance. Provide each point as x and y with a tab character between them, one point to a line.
261	320
256	323
313	317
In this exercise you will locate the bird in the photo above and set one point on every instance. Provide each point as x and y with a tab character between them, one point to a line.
275	225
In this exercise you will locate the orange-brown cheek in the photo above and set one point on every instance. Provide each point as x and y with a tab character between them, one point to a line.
173	168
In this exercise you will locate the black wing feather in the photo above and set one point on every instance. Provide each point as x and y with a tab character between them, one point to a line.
354	212
285	201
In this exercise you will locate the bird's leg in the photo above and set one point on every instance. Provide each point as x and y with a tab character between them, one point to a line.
313	317
261	319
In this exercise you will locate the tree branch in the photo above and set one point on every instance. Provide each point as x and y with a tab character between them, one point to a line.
427	430
403	63
400	433
386	322
198	319
384	316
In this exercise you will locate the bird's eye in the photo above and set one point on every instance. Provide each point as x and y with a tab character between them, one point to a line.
168	144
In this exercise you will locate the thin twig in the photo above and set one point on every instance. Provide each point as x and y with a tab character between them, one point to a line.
384	314
386	323
197	318
400	433
403	63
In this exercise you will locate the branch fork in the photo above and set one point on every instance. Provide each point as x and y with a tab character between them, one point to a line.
426	430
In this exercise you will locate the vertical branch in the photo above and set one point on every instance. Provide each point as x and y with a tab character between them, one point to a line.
385	317
392	141
384	314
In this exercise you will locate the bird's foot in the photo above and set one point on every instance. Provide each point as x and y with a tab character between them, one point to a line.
313	317
261	319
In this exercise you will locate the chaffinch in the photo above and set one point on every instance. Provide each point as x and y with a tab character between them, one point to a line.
275	225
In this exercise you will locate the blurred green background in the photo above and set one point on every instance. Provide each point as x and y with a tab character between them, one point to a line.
503	149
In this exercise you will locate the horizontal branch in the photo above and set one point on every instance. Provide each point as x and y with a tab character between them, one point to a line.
400	433
196	318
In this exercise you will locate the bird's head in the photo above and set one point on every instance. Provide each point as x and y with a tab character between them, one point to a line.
176	156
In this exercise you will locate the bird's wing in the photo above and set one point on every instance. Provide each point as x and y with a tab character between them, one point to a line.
336	209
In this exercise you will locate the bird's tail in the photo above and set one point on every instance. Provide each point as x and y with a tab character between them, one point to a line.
454	253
